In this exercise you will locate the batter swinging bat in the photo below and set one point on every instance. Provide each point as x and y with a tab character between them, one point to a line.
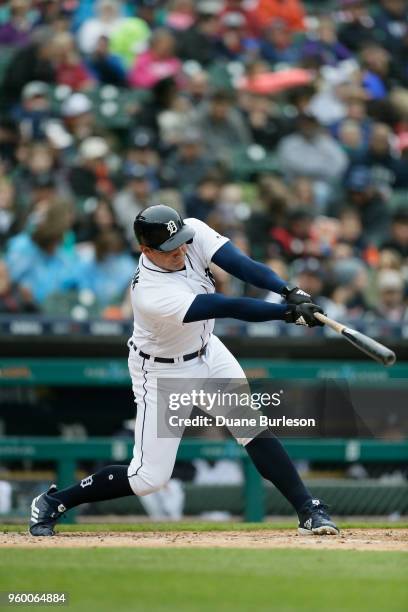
371	347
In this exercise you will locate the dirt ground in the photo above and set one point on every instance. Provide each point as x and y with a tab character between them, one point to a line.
349	539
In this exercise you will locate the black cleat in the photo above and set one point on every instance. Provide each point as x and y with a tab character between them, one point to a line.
315	520
45	511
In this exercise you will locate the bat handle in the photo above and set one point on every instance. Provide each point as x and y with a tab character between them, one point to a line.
338	327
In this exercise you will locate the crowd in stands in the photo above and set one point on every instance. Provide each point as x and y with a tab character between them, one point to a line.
282	125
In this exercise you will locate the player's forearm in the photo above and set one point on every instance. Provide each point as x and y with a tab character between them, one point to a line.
216	306
232	260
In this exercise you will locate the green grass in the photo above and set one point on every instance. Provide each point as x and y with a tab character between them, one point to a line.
216	580
204	526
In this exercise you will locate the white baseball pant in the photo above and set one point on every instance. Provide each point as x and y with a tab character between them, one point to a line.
154	457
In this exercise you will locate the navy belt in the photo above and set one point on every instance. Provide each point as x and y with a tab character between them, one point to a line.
188	357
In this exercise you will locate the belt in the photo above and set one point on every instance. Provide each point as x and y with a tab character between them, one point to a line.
188	357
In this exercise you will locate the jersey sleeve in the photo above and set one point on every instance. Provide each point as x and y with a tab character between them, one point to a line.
207	240
170	308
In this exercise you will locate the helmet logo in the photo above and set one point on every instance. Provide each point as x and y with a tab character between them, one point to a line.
171	227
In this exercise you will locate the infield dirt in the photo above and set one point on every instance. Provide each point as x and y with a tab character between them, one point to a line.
349	539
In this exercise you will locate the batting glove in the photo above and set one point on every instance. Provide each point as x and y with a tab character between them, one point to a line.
294	295
303	314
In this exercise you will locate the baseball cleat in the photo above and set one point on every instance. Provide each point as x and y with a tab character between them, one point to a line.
315	520
45	511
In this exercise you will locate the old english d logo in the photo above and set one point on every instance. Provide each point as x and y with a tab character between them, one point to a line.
171	227
86	482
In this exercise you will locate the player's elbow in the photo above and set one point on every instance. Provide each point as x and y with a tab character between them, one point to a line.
207	306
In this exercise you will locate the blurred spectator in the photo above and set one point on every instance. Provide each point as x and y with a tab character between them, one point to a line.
278	265
91	175
304	193
142	151
99	218
351	234
340	85
277	44
34	111
324	46
398	237
309	274
387	170
233	43
13	299
69	68
355	118
311	152
174	120
375	61
351	137
188	164
350	280
53	13
33	62
300	98
110	270
105	66
245	9
363	196
149	11
291	11
128	38
275	200
78	118
233	210
265	121
36	176
391	21
199	42
164	95
203	201
181	15
107	18
16	31
391	306
39	262
197	87
294	239
8	211
136	195
357	28
222	126
157	63
389	259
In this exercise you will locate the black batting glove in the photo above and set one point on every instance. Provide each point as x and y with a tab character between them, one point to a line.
294	295
303	314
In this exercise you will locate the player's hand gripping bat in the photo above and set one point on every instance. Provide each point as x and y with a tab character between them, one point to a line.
364	343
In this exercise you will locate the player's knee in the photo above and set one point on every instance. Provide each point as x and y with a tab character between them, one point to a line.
143	484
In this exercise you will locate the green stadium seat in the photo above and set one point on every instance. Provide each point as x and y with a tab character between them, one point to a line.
112	105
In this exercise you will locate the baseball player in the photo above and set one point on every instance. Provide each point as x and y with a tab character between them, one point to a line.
174	305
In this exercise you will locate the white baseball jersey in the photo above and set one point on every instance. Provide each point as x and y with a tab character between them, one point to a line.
161	299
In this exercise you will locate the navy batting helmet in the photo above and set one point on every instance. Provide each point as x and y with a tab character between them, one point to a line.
161	227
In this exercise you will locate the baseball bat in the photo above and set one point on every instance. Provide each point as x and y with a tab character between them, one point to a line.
364	343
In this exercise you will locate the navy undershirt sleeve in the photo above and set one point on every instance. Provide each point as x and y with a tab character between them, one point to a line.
217	306
232	260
